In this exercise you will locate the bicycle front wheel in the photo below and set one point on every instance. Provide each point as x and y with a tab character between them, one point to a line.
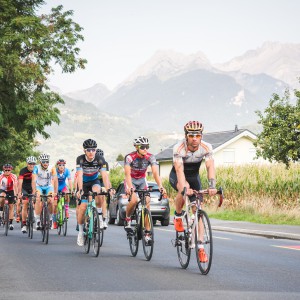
45	222
203	236
6	218
64	221
96	237
148	234
30	218
87	240
182	244
133	237
59	220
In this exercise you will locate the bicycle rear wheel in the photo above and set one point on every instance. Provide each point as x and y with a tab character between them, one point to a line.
204	238
87	240
6	218
182	245
133	236
97	232
64	222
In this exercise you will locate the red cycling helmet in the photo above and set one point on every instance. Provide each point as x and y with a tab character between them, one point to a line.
61	161
7	167
193	127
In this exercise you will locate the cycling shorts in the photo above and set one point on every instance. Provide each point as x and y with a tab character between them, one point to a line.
64	190
194	181
45	190
10	195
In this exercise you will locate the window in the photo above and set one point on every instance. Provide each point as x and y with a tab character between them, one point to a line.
228	156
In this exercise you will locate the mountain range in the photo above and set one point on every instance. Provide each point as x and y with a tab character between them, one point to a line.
171	89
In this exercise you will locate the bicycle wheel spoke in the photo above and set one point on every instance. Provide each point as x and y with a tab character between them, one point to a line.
133	237
96	232
203	236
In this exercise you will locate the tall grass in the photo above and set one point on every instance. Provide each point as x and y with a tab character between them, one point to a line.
261	193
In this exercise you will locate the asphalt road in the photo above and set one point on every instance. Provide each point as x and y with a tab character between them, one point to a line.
244	267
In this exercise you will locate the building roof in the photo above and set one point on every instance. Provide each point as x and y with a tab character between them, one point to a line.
216	139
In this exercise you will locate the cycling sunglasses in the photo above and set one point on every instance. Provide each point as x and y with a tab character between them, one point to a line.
6	170
143	147
90	149
192	135
60	165
45	161
32	164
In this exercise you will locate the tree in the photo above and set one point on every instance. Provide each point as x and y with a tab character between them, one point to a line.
29	45
280	139
120	157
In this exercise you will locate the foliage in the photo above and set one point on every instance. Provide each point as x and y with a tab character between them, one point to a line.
116	176
29	45
120	157
280	139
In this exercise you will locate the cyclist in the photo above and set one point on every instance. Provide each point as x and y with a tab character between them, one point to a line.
9	187
44	182
187	157
64	174
88	166
104	204
135	167
25	188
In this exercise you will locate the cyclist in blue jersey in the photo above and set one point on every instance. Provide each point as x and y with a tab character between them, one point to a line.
64	174
88	166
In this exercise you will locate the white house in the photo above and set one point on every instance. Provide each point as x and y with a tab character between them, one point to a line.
229	148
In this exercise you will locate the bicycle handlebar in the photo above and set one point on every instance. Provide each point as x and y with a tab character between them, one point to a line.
147	191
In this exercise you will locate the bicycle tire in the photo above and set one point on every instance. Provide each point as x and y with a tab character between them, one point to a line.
45	222
101	236
30	218
133	236
148	246
6	218
64	221
207	242
96	232
59	220
182	245
87	240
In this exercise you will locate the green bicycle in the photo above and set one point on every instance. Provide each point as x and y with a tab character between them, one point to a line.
93	233
61	218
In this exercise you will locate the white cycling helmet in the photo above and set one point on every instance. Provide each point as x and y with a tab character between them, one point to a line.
141	140
31	160
44	156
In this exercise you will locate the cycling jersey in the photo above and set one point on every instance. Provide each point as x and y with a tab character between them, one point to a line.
26	176
62	177
44	177
139	164
7	183
191	160
90	169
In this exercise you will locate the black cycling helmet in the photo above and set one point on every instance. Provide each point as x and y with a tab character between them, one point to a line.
89	144
100	152
7	167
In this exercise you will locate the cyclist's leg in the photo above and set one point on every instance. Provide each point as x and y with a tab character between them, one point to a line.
18	210
67	200
24	208
38	206
11	204
2	194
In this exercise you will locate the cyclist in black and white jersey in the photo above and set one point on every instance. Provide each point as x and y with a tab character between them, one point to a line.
187	157
88	165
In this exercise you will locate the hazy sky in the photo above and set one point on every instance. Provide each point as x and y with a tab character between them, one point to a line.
120	35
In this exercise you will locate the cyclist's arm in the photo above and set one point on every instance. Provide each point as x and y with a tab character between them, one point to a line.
127	170
211	175
155	173
79	179
15	185
55	181
178	165
105	179
70	184
20	184
33	183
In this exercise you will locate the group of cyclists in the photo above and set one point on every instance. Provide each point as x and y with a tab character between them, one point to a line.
92	176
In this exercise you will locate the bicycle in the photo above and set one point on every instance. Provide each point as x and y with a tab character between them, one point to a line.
197	232
45	219
5	217
61	218
142	216
93	233
30	214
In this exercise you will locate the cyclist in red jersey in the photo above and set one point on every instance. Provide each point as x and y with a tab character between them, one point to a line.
187	157
135	166
9	187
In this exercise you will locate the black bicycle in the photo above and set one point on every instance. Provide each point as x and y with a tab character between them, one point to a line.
142	229
5	219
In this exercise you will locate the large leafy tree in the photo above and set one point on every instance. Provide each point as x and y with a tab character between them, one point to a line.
30	44
280	139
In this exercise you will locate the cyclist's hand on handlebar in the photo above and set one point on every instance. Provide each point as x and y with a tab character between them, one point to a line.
128	191
212	192
79	193
189	192
103	190
162	190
